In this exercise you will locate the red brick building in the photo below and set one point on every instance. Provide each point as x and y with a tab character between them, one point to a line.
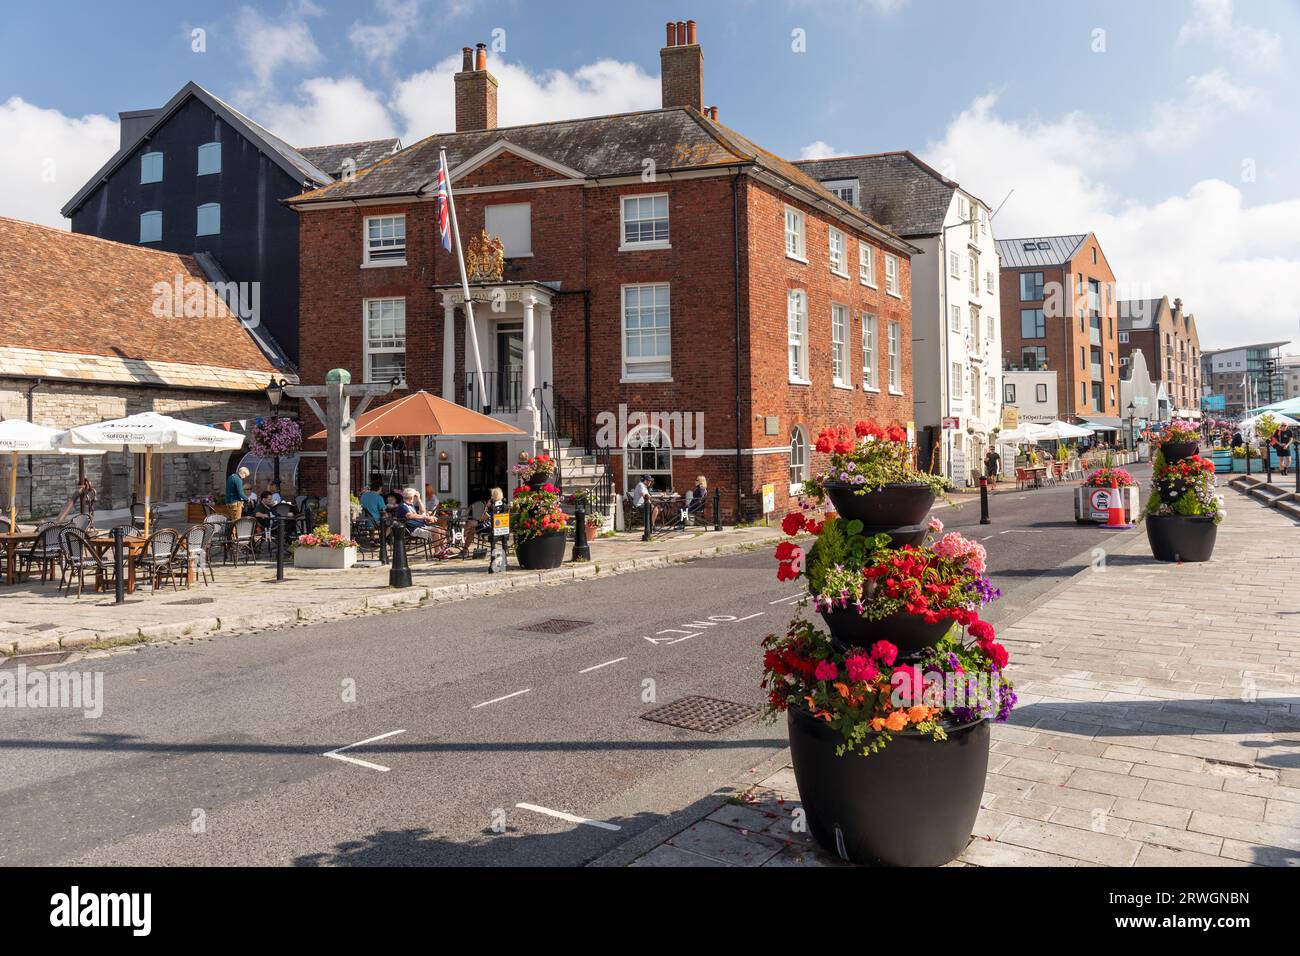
1059	312
656	263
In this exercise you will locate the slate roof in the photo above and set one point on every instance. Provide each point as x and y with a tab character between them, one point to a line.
675	139
1140	314
1059	250
896	189
298	166
69	293
331	158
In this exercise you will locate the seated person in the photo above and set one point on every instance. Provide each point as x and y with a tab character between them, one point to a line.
262	511
699	496
274	489
639	495
418	522
372	502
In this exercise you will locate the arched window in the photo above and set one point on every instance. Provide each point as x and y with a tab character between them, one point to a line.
390	462
798	459
648	452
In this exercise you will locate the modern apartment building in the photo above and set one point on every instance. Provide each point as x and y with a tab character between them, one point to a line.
1059	311
1238	379
1167	337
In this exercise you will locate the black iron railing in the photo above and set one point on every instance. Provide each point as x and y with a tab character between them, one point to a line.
500	391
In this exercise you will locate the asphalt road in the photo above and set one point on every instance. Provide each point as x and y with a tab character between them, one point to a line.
217	751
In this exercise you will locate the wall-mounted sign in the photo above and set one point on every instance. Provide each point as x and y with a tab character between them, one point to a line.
769	499
501	524
1010	417
951	423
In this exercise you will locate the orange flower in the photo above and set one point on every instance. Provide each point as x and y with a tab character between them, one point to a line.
842	687
897	720
877	723
919	714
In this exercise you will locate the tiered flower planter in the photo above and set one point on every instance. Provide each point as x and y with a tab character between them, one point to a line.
914	801
1176	451
1186	537
541	552
1181	537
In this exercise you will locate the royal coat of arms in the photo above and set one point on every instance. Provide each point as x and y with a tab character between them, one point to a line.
486	261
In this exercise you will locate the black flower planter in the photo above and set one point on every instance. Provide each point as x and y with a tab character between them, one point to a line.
908	632
1175	451
913	534
541	552
538	479
913	803
1181	537
891	506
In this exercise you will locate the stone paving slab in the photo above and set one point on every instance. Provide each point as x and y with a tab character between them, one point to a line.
35	617
1163	730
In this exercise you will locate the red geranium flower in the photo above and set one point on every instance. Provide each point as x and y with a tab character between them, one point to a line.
792	523
884	652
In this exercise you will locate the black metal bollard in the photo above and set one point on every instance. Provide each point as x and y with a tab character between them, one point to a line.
717	509
984	501
119	584
645	518
383	538
581	550
279	547
1268	461
1248	458
399	575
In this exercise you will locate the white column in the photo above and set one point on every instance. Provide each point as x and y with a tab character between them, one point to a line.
448	349
530	359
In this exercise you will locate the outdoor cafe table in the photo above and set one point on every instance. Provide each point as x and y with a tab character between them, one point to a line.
12	541
1036	472
132	548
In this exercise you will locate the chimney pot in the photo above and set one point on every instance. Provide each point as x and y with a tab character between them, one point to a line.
476	92
480	57
682	69
466	59
672	34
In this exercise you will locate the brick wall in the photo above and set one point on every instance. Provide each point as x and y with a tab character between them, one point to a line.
575	242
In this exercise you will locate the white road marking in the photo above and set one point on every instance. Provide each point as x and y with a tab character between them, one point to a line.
497	700
567	816
338	754
588	670
1023	531
790	599
713	620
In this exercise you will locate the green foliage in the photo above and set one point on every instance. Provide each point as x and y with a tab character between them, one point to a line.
840	545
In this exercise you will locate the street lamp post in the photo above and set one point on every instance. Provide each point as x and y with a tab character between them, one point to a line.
1132	444
274	393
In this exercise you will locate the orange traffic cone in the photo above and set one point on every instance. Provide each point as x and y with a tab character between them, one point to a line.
1115	513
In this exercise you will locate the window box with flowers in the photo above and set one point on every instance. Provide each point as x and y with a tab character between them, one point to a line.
893	712
539	527
321	549
1184	510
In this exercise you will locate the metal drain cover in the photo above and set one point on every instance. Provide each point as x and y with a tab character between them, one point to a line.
555	625
35	660
701	713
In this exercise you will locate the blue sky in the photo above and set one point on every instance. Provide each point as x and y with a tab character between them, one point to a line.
1173	134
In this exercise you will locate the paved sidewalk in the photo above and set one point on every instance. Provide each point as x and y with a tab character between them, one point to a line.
1159	724
35	618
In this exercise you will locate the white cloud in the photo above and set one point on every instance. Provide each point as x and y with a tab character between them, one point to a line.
1209	96
1214	22
45	157
1231	263
270	45
378	42
425	102
328	110
818	150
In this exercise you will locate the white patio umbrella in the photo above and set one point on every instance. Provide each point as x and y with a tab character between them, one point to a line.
146	433
1029	431
1247	425
1061	430
22	437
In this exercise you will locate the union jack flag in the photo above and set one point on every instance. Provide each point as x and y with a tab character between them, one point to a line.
444	203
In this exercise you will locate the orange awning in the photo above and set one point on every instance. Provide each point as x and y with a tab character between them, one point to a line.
421	413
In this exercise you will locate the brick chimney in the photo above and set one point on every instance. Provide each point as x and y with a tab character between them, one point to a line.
682	67
476	91
1178	308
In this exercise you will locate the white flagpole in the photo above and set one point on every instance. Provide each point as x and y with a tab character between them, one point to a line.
464	285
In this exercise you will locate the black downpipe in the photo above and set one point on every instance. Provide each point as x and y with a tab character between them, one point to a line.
735	245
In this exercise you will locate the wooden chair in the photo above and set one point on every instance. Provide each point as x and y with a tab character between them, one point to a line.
158	554
79	556
198	542
45	551
243	540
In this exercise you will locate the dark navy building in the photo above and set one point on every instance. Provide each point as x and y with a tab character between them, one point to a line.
199	177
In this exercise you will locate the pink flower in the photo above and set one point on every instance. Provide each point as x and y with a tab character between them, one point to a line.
826	671
884	652
981	630
860	668
936	526
907	684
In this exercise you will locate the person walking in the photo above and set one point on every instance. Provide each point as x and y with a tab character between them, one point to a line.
992	465
1283	441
